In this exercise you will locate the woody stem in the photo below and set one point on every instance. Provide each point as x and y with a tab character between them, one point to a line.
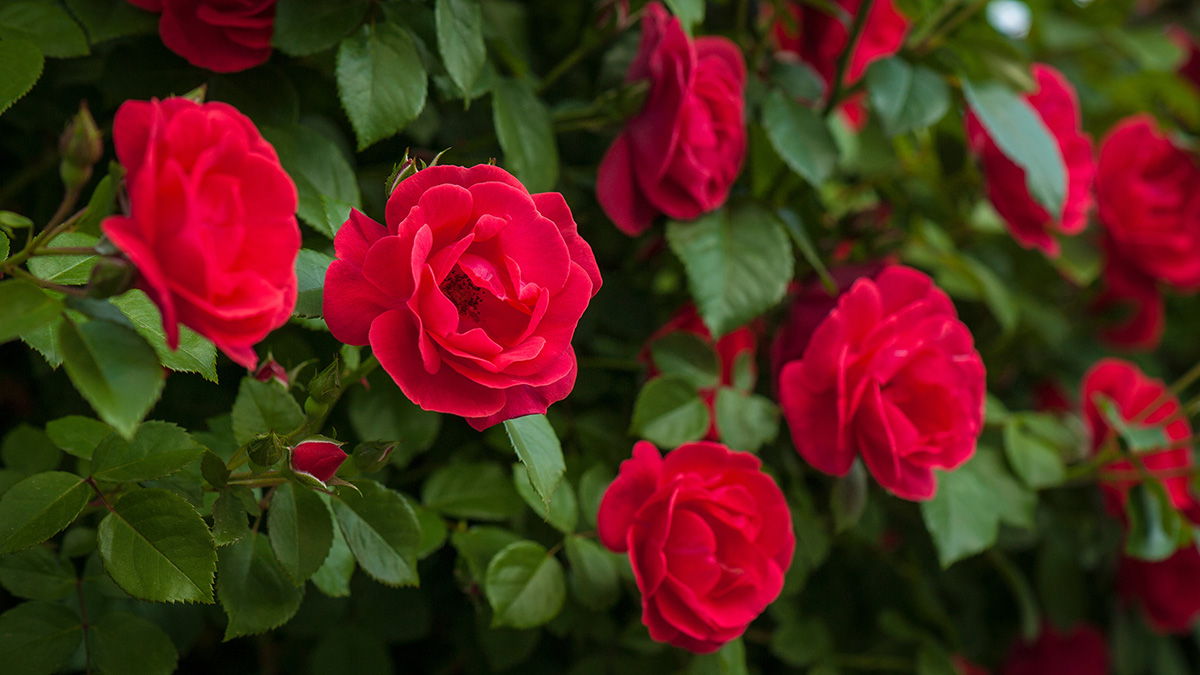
836	88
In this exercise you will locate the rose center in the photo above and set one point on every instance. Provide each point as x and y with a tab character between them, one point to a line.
465	295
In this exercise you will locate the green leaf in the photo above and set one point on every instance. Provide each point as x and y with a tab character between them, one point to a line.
254	589
261	407
46	25
730	659
384	413
39	507
4	245
1156	528
114	369
592	485
21	65
69	270
110	19
29	450
319	169
78	435
690	13
525	586
310	277
848	498
907	98
24	307
933	660
801	642
538	448
562	511
800	137
964	516
158	449
196	354
301	530
37	638
1032	455
593	573
37	574
738	264
304	27
1138	438
478	545
1023	138
382	530
433	531
460	40
669	412
477	491
745	422
124	644
333	577
347	649
526	134
381	81
156	547
687	356
102	202
229	519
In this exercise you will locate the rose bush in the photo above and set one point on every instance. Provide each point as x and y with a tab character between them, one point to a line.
709	537
469	296
211	225
892	376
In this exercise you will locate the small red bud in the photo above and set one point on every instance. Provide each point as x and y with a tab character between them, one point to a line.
319	459
271	370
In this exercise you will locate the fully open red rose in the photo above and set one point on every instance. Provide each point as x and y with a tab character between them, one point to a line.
892	375
1056	104
1166	591
1149	195
683	151
470	296
1142	400
1083	651
740	344
212	226
709	536
221	35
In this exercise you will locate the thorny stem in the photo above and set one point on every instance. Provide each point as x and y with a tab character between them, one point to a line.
836	88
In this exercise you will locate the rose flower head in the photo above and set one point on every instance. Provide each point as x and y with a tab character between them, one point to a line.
212	227
224	36
1166	590
709	537
1082	651
469	296
681	154
890	375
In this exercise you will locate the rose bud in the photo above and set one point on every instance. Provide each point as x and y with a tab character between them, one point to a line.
265	449
271	370
80	147
318	458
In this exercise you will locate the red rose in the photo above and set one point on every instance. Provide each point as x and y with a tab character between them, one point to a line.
1142	400
965	667
683	151
1189	69
470	296
729	348
1149	195
212	226
1130	291
1057	105
224	36
819	38
709	536
1167	590
810	304
892	375
318	458
1083	651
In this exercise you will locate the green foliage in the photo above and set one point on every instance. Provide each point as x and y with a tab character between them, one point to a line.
688	357
800	137
157	449
195	354
560	509
24	308
380	527
381	81
908	98
36	574
21	65
38	637
78	435
254	589
669	412
262	407
321	172
524	131
460	41
127	644
538	448
114	369
304	27
301	530
525	586
46	25
471	490
39	507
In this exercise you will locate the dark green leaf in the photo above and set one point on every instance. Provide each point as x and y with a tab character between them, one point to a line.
730	659
1138	438
158	449
562	511
333	578
78	435
114	369
20	67
460	40
801	642
537	446
433	531
738	264
319	169
800	137
310	276
262	407
24	308
669	412
29	450
110	19
1033	457
592	485
124	644
478	491
687	356
593	573
37	574
196	354
304	27
36	638
384	413
346	649
301	530
382	530
526	134
156	547
907	98
381	81
1023	137
39	507
478	545
525	586
746	422
229	519
213	469
46	25
253	588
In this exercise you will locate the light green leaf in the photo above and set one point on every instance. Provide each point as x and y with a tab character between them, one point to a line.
1033	455
687	356
382	530
537	446
460	40
800	137
254	589
78	435
21	65
304	27
69	270
114	369
525	586
745	422
310	277
196	354
36	638
158	449
300	529
156	547
46	25
562	512
594	577
124	644
526	135
907	98
478	545
690	13
261	407
381	81
1156	528
669	412
333	577
319	169
730	659
37	574
477	491
39	507
24	308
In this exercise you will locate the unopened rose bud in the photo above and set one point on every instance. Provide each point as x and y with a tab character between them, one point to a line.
326	384
371	456
317	458
404	169
270	370
265	449
112	275
80	147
